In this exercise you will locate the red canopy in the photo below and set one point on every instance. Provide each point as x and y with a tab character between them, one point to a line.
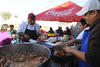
65	13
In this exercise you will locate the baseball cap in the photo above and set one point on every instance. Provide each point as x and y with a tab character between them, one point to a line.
89	6
31	15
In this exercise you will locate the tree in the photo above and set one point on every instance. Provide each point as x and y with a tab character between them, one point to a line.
16	16
6	15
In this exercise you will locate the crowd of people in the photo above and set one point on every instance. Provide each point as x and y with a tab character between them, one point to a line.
89	38
30	30
60	32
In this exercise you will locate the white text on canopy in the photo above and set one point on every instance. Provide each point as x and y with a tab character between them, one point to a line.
60	13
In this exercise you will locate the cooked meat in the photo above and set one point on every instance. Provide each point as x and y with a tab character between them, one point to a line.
24	59
61	52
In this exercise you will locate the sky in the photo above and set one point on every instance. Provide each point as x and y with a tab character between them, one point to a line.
23	7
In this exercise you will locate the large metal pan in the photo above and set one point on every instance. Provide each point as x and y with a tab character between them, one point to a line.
12	49
67	57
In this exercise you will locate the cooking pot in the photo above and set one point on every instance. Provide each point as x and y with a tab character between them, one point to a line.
62	59
22	47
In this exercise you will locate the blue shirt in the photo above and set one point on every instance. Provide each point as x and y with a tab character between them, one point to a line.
84	48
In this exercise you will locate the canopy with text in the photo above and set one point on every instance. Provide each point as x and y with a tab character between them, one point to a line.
64	13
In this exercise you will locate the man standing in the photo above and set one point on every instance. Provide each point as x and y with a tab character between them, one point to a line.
91	12
29	29
84	26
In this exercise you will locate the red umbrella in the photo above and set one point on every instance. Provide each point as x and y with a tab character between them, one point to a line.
64	13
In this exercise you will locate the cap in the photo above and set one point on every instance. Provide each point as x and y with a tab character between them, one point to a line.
31	15
89	6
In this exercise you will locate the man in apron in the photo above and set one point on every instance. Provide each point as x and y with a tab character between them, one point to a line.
30	29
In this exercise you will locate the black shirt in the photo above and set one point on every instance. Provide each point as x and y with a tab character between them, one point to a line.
93	54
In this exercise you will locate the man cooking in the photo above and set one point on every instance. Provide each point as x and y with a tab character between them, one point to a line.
91	13
29	29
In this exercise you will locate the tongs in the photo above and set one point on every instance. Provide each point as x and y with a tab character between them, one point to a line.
59	47
62	45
